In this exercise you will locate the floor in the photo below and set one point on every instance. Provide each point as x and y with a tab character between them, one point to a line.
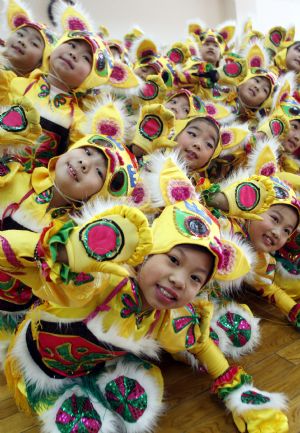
191	409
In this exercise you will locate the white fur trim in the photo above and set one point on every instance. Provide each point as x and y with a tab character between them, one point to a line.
234	404
289	77
28	219
259	149
142	347
148	420
285	274
238	175
150	175
55	117
3	351
240	144
249	253
108	419
31	371
58	10
225	343
95	207
101	102
259	43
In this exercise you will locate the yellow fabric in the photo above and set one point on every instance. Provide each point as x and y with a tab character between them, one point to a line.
291	286
158	97
164	121
32	131
137	241
119	163
266	197
15	13
261	421
177	217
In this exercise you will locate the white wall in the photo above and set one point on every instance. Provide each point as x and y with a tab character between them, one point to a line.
165	20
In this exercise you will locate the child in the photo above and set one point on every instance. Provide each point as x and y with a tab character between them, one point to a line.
183	104
278	219
28	43
68	354
78	63
95	165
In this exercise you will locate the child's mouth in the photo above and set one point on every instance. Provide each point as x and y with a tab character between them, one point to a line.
191	155
268	241
166	294
68	62
18	49
72	172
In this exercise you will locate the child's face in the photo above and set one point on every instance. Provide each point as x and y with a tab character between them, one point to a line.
179	105
270	234
72	62
173	279
293	58
144	71
254	91
24	49
81	172
197	143
210	51
292	140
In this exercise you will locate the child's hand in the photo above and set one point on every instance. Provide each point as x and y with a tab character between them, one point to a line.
119	235
20	124
294	316
261	421
249	197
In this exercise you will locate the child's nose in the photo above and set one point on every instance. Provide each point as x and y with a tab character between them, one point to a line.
83	165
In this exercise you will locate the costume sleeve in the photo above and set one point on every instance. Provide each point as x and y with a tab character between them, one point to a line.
6	77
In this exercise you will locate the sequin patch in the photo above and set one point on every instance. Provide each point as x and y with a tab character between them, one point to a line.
77	414
127	397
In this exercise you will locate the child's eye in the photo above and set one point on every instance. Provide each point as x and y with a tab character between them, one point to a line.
196	279
174	260
71	44
20	33
174	102
287	231
192	134
210	145
274	218
87	151
88	59
186	110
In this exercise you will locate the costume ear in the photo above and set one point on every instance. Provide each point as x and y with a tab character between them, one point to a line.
72	18
236	259
109	118
285	88
290	34
263	158
145	48
196	27
274	39
179	53
256	55
227	30
221	112
17	13
163	181
123	80
233	137
248	26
